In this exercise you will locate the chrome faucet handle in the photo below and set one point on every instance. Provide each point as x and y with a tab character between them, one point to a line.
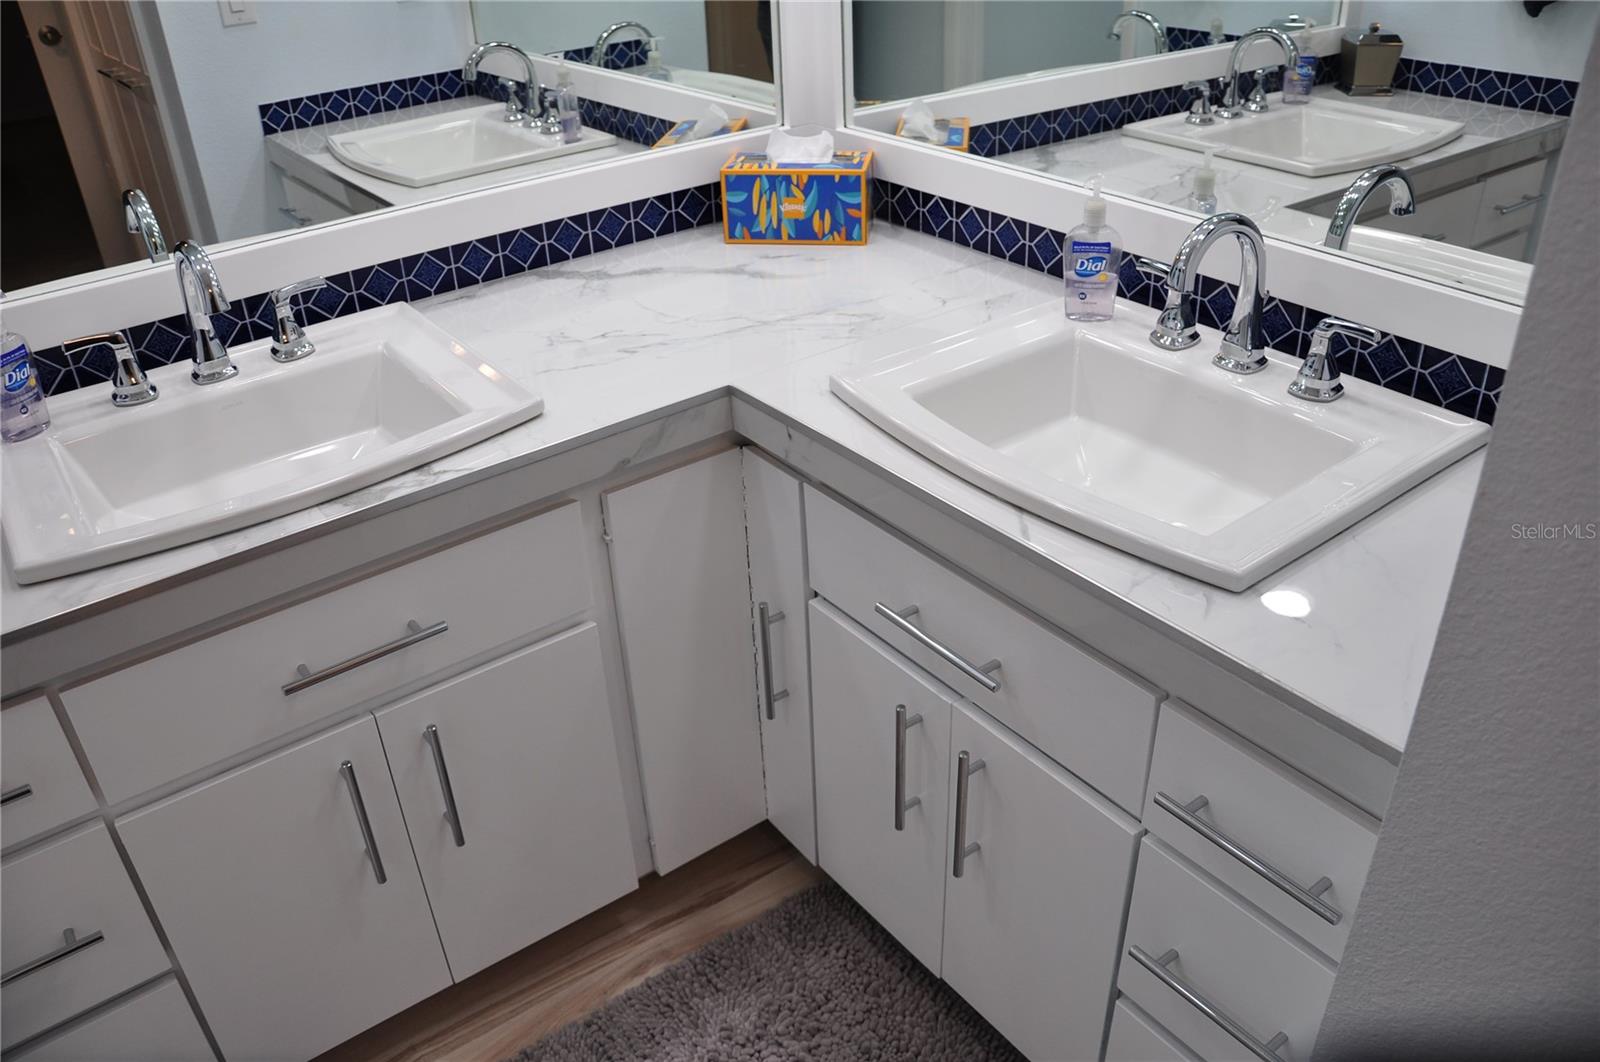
1318	378
1200	112
1258	95
129	385
543	117
289	342
516	107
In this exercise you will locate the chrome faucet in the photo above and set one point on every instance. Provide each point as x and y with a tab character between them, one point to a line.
129	385
141	221
289	342
1291	52
1402	200
202	297
518	101
1142	16
1200	112
598	56
1242	343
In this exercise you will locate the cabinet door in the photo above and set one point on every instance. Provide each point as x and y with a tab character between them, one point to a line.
518	757
859	687
775	527
266	881
679	568
1032	923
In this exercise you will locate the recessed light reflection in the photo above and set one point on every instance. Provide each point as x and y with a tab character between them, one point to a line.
1290	603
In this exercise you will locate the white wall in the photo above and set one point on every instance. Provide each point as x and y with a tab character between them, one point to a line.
1490	34
557	25
1475	938
297	47
1237	15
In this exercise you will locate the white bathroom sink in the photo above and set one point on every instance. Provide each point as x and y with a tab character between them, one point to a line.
1313	139
385	391
444	147
1161	454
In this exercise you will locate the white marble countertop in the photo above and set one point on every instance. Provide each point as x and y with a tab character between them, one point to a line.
613	338
303	153
1274	199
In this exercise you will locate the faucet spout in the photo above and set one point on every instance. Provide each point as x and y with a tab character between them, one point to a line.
516	109
1402	201
597	57
1291	55
202	296
1147	18
1242	342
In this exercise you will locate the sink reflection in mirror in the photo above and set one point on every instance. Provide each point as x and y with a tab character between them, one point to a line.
231	127
1470	99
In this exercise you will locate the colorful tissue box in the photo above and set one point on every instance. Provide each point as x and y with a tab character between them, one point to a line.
676	133
957	133
819	202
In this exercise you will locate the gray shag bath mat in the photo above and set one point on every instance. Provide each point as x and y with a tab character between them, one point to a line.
813	979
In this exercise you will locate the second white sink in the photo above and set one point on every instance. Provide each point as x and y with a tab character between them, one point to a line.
385	391
1313	139
1161	454
444	147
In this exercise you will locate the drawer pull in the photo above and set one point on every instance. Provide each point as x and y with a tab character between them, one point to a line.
71	944
348	770
902	723
16	792
452	814
1522	204
979	674
966	767
764	622
1267	1052
415	632
1308	897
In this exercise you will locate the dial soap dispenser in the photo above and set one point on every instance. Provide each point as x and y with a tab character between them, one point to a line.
1092	253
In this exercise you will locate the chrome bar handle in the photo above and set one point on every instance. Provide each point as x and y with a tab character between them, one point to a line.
979	673
902	723
452	814
1522	204
1267	1052
764	622
1309	897
16	792
71	944
966	767
415	632
348	770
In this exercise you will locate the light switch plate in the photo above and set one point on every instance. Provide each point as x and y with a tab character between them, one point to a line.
237	12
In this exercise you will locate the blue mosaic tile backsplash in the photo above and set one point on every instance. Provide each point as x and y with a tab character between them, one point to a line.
1547	95
415	276
1435	376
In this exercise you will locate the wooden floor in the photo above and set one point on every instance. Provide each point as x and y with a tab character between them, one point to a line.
494	1014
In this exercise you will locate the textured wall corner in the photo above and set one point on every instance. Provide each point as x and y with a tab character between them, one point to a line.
1477	931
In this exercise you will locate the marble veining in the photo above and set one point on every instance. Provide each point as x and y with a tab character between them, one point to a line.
688	318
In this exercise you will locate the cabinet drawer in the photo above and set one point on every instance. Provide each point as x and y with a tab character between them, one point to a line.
1077	707
1136	1038
1267	832
77	883
1512	200
181	711
1251	974
40	781
155	1025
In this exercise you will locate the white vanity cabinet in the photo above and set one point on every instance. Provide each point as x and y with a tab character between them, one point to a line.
681	578
513	798
775	529
291	897
1004	874
882	741
41	786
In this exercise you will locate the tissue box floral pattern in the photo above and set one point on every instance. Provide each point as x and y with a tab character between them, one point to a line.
825	202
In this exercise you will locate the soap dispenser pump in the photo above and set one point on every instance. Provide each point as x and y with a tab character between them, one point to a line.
653	67
1203	190
567	113
1092	253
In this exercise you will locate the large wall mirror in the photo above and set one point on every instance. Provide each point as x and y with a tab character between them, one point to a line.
1425	144
238	119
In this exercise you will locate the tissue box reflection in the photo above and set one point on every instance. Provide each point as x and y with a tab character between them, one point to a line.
822	202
